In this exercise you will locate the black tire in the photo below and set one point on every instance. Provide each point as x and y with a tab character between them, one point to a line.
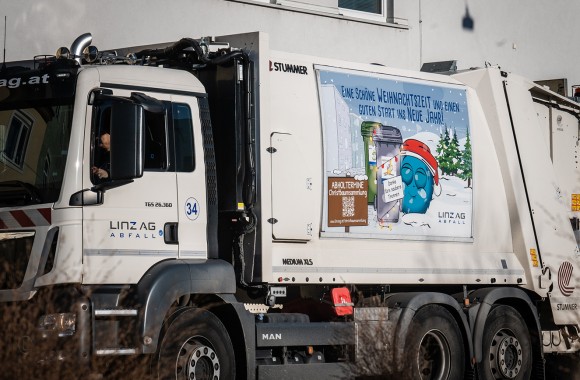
196	342
434	348
507	348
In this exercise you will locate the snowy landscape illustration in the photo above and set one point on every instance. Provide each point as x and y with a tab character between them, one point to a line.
407	144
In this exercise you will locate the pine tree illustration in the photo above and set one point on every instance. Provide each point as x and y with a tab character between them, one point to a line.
442	151
453	155
466	170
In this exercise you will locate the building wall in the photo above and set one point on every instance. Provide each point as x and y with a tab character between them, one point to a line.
531	37
534	38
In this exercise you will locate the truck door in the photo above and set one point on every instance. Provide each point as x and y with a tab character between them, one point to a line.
291	190
135	224
190	171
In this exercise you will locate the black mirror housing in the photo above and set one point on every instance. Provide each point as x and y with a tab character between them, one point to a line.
127	140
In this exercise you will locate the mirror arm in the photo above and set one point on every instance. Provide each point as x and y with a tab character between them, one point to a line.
95	195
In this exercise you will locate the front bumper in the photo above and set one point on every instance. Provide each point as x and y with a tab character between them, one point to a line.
32	350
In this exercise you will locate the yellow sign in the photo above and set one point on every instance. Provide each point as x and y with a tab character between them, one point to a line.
575	202
534	257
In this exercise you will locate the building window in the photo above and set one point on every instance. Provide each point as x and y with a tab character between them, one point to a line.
371	6
372	10
375	10
17	139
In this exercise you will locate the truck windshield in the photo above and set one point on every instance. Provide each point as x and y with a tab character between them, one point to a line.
35	123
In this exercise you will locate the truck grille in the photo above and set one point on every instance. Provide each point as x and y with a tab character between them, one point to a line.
15	248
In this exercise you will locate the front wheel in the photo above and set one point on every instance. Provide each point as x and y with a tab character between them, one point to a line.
507	348
196	346
434	347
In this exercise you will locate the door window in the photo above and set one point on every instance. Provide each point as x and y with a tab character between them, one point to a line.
179	156
101	143
155	142
183	138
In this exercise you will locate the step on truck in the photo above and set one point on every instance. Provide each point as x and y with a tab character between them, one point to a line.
215	209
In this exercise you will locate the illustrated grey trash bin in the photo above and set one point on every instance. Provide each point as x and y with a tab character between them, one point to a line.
388	141
367	131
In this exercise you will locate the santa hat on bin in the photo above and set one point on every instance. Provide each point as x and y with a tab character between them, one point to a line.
420	150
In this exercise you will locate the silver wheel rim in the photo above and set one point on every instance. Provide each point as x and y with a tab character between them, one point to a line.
505	355
197	361
434	358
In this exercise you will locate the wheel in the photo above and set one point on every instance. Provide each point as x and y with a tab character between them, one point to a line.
507	349
196	346
434	347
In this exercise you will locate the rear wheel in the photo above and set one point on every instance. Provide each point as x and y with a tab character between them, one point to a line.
196	346
507	349
434	348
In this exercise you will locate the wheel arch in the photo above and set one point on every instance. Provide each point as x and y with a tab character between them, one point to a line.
169	280
410	303
522	303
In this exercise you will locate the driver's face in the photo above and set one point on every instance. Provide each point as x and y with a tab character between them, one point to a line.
105	142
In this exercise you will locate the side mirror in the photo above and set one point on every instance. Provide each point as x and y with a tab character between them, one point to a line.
127	140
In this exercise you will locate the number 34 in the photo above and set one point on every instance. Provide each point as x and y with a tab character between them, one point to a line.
192	208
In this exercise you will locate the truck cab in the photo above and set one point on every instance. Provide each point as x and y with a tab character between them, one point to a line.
104	175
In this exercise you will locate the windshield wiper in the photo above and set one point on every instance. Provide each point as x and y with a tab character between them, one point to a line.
18	193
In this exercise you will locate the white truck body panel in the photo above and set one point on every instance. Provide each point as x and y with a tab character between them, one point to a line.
353	258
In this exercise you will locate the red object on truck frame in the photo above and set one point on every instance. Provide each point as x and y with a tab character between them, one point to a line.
342	302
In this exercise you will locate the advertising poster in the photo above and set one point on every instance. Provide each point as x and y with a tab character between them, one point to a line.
397	157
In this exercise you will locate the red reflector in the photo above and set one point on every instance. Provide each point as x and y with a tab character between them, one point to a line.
342	302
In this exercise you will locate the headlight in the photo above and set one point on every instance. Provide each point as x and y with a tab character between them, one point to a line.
62	323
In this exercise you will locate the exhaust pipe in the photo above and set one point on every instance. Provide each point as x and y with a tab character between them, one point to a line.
79	44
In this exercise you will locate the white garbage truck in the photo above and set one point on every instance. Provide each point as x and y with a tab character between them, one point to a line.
215	209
